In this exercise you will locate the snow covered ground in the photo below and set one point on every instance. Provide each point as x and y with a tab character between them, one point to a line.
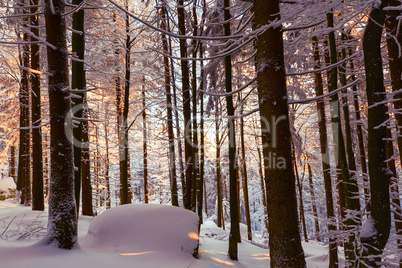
130	236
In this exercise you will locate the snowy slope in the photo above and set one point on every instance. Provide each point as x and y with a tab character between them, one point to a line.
130	236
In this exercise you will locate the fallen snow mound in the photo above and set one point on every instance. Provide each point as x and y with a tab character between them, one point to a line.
7	184
142	229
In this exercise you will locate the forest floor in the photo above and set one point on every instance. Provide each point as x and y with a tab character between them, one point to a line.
144	237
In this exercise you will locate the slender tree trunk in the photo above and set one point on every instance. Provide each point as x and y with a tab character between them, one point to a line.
359	128
124	160
107	164
325	161
262	183
196	189
345	182
145	152
218	166
245	178
380	214
78	83
353	185
12	163
62	224
188	149
201	181
284	243
38	202
47	174
301	206
234	236
87	208
172	156
313	202
24	159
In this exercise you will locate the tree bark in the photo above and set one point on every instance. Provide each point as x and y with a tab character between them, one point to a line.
62	224
144	146
38	202
313	202
234	236
325	161
172	155
380	215
284	243
188	149
78	83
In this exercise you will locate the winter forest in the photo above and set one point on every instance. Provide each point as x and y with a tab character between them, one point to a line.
200	133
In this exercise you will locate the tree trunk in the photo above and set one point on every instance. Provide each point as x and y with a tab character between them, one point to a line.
124	136
201	181
245	178
12	163
325	161
87	208
218	166
234	236
188	149
359	128
379	221
38	202
262	183
284	243
62	224
145	152
172	156
24	162
341	162
313	202
78	83
301	206
195	193
107	164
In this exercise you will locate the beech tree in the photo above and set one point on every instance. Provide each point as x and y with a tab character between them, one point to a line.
284	238
62	223
376	229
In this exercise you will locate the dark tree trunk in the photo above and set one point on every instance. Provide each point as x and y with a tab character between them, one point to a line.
188	149
12	163
87	208
313	202
359	129
301	206
78	83
284	243
107	162
345	184
262	184
38	202
245	178
218	166
24	159
124	129
234	236
195	195
325	161
172	156
201	181
380	214
144	147
62	224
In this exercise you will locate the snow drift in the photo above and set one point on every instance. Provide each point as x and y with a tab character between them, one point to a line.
143	229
